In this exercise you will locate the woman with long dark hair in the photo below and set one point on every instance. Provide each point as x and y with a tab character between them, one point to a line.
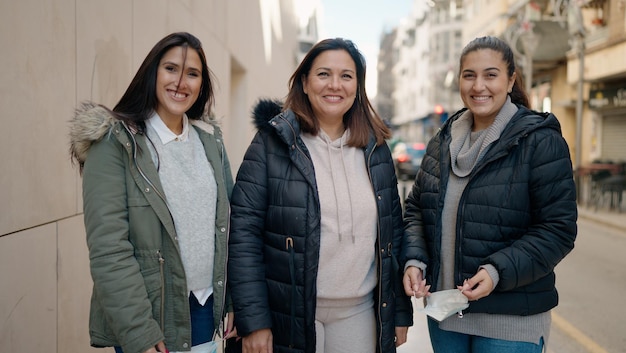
156	188
316	218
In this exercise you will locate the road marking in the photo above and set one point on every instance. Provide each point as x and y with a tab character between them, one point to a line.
578	336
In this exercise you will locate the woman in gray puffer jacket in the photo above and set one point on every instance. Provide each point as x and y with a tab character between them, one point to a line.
316	220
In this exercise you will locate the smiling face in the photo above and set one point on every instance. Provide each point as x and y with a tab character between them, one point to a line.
178	82
331	84
484	84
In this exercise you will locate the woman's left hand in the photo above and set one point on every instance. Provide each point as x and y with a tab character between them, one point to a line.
231	330
401	332
479	286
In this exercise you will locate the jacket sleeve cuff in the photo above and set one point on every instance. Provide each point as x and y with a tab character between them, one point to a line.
493	273
416	263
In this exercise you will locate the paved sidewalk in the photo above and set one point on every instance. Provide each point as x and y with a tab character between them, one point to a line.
417	339
611	218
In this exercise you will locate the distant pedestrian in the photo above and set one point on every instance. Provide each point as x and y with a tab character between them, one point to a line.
156	187
492	211
316	218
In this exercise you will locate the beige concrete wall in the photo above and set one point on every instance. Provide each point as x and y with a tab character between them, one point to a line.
58	53
36	95
599	64
29	291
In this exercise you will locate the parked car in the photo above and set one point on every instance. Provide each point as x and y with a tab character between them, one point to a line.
407	158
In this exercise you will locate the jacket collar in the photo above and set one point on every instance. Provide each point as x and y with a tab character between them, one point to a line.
92	121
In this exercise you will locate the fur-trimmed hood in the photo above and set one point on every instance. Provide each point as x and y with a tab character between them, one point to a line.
264	111
92	121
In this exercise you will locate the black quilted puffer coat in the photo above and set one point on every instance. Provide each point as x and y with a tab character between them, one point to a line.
518	213
275	237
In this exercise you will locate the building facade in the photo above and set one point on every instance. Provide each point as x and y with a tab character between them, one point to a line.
385	86
59	53
570	55
427	46
411	74
572	58
604	77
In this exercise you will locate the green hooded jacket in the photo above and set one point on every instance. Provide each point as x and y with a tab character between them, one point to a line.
140	294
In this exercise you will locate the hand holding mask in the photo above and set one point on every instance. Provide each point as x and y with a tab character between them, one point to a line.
443	304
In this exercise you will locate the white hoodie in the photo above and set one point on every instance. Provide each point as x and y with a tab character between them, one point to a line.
348	218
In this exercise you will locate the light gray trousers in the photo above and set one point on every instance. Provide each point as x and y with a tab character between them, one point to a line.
345	326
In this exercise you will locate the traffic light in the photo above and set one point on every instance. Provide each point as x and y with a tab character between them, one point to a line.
440	113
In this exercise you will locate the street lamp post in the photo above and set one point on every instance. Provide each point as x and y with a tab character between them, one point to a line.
576	30
579	47
529	43
577	34
524	34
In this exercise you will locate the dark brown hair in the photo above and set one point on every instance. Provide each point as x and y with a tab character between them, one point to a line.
518	94
139	100
361	118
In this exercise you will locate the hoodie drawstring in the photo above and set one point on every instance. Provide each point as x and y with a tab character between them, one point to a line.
329	144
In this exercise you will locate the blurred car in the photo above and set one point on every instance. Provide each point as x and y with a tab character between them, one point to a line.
407	158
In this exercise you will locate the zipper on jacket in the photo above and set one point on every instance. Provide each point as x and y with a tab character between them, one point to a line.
292	273
295	138
220	329
160	257
378	255
161	269
143	175
459	252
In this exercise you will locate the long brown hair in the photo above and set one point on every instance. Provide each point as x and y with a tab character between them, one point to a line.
361	119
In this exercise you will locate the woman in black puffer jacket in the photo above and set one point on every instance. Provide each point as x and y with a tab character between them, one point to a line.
316	220
492	211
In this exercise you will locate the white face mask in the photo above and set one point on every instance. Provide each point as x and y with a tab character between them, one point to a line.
443	304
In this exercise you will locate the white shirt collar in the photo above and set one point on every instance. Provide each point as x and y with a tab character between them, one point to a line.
165	134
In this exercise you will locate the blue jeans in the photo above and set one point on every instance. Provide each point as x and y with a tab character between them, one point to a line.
454	342
202	326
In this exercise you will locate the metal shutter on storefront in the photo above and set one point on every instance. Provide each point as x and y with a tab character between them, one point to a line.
614	137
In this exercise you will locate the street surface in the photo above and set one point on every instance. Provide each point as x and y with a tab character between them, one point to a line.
418	340
591	280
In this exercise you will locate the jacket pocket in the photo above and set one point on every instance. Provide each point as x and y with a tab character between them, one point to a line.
151	265
144	224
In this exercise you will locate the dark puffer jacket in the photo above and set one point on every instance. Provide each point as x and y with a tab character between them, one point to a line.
518	213
275	237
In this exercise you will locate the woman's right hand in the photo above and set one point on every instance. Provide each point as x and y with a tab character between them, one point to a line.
160	347
414	283
259	341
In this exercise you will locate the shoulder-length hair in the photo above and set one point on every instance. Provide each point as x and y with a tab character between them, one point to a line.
140	100
361	119
518	94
